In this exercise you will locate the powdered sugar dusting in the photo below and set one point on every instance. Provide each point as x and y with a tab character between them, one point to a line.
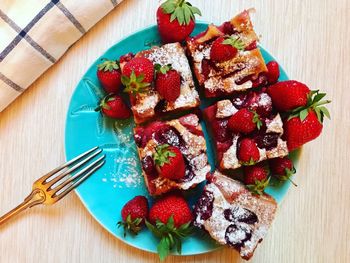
275	125
247	234
229	159
225	109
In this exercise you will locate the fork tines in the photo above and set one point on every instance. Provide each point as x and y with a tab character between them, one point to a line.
62	180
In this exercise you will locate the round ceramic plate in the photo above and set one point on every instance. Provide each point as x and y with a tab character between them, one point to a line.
120	179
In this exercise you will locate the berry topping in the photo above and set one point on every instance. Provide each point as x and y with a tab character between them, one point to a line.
176	20
113	106
170	220
237	235
109	75
204	206
240	214
138	74
134	214
267	140
248	153
256	178
282	169
225	48
273	72
221	131
168	82
306	122
288	95
244	121
169	162
148	166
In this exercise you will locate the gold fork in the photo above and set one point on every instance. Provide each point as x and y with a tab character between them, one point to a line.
55	185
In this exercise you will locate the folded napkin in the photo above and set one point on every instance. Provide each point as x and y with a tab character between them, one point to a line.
34	34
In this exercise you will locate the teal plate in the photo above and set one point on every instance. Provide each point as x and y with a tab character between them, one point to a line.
120	179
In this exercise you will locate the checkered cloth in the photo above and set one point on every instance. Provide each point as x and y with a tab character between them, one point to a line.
34	34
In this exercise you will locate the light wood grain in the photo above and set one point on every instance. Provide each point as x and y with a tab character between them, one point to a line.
312	40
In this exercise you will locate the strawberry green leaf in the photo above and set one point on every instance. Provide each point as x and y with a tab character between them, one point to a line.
187	14
250	163
234	41
134	84
319	97
163	154
303	114
180	10
163	248
168	7
256	120
170	223
162	69
108	65
259	187
153	229
325	112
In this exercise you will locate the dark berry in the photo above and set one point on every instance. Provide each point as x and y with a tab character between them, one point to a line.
204	206
237	235
148	166
239	214
221	131
267	140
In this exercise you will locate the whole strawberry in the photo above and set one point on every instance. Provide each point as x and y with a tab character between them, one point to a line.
273	72
256	178
170	220
138	74
225	48
176	20
108	73
114	107
306	123
169	162
288	95
282	169
244	121
248	152
168	82
134	214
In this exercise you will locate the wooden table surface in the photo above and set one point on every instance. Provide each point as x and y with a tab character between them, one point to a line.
312	40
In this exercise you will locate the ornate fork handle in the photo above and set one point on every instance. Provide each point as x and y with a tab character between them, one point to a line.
36	197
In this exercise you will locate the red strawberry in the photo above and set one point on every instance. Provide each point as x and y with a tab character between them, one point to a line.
113	106
138	74
170	162
248	152
168	82
256	178
170	218
298	132
305	123
171	205
282	168
176	21
244	121
109	75
134	214
225	48
126	58
288	95
273	72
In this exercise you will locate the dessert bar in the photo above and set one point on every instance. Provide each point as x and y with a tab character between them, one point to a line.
149	105
240	73
185	134
268	138
232	215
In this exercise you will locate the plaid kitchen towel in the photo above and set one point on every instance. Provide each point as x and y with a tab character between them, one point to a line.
34	34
